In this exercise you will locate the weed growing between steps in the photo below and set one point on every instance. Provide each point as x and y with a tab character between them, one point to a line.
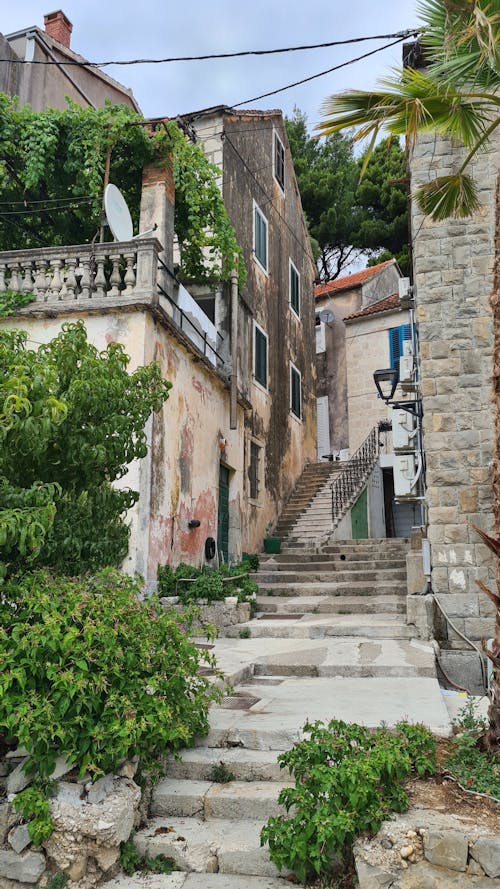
208	584
220	774
473	768
132	861
348	779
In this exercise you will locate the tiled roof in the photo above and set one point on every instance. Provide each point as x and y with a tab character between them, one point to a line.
347	282
383	305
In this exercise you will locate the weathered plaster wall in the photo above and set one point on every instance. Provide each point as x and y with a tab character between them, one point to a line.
286	443
453	268
367	350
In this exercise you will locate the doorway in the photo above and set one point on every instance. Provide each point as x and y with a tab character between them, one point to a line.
223	515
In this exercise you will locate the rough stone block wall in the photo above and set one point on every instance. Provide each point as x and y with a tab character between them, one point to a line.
453	274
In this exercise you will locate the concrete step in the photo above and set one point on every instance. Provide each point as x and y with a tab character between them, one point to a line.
320	626
222	846
331	588
236	800
246	765
347	560
390	604
183	880
305	574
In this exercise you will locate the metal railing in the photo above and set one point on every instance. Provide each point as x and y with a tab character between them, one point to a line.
194	333
346	487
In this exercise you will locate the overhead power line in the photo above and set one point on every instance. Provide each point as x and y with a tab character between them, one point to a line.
400	35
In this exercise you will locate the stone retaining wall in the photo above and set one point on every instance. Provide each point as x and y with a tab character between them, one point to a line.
424	849
221	615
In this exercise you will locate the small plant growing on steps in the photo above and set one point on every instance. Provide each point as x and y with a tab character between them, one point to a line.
220	774
244	633
132	861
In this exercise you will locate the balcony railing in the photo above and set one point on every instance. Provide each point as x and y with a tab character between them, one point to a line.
83	272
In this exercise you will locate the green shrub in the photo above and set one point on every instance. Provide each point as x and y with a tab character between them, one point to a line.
89	671
132	861
473	768
33	804
212	584
347	779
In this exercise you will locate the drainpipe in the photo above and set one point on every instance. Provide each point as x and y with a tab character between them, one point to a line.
234	349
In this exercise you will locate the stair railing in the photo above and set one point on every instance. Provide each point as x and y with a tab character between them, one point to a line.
352	476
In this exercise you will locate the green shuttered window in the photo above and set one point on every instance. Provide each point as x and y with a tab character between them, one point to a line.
294	289
260	356
260	237
295	392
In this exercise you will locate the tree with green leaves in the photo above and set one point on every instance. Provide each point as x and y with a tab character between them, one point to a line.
52	167
347	218
73	419
456	95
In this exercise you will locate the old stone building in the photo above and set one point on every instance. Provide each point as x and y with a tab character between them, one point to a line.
42	86
453	263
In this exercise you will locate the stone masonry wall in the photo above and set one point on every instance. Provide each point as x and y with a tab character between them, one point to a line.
453	274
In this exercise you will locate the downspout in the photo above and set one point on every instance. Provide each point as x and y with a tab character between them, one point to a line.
234	347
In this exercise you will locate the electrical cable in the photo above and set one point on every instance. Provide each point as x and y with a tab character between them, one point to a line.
484	676
401	35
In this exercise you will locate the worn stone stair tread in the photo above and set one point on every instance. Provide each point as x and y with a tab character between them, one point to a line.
246	765
320	588
226	846
173	797
315	626
365	604
183	880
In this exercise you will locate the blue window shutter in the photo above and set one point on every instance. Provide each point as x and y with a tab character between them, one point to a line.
397	336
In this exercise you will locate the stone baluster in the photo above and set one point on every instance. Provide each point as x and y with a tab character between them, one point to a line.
15	277
71	283
129	274
3	286
100	278
28	277
115	278
41	280
55	284
84	274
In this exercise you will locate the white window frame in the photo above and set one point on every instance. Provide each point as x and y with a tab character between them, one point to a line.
297	371
291	265
256	382
321	330
256	209
277	138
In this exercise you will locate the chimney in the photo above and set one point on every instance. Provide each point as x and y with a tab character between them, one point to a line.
58	27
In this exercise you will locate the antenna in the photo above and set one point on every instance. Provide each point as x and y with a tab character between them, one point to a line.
118	214
326	316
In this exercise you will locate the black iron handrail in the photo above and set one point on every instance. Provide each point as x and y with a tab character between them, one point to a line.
352	476
180	319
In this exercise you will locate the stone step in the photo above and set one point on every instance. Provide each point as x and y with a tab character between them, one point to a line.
346	559
330	588
236	800
317	626
183	880
303	575
390	604
225	846
246	765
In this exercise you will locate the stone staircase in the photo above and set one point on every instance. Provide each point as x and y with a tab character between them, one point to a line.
330	641
316	477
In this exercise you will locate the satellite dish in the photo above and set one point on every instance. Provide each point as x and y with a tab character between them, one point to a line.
326	316
118	214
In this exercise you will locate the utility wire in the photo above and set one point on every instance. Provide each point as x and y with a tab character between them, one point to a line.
320	73
401	35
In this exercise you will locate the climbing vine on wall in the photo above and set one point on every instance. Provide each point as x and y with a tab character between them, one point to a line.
51	181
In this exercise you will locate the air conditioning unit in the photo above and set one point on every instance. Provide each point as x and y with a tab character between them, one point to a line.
407	468
405	293
403	431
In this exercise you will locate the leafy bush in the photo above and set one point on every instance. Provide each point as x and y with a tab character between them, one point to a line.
252	559
32	803
89	671
132	861
347	780
474	768
212	584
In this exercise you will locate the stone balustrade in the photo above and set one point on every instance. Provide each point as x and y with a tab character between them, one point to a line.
83	272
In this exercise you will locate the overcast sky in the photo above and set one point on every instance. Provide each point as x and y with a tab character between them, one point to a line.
127	29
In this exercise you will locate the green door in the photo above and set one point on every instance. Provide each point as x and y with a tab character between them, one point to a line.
359	517
223	515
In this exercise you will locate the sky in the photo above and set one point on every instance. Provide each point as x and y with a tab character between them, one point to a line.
114	30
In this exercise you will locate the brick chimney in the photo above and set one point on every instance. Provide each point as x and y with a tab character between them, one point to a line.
58	26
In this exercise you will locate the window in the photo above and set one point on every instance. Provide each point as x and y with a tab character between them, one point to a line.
253	470
397	336
320	335
260	356
279	161
294	289
295	392
260	237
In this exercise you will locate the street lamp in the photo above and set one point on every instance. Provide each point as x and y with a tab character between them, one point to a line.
386	382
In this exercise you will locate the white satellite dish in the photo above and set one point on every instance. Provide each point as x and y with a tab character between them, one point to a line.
326	316
118	214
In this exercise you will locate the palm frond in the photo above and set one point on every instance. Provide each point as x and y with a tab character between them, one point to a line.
493	543
454	195
468	30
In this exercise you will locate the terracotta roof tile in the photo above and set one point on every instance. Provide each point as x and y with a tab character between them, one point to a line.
383	305
350	281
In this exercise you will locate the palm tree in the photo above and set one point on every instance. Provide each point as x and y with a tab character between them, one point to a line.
457	95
